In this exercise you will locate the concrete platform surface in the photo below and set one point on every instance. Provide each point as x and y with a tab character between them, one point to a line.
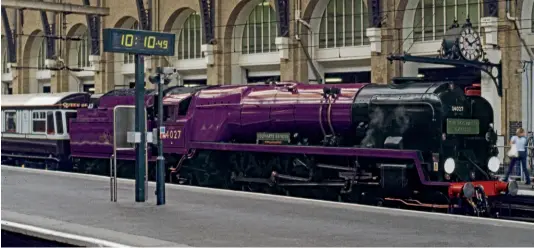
80	204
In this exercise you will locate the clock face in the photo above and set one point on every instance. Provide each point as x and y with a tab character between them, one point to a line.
470	44
138	42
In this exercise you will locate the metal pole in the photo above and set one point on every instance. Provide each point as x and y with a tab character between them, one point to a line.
115	176
140	148
160	173
111	189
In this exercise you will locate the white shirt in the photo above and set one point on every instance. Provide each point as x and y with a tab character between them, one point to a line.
520	143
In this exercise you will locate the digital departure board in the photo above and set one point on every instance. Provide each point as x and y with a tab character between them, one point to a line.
138	42
463	126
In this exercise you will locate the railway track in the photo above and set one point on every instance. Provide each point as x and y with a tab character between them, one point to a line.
511	209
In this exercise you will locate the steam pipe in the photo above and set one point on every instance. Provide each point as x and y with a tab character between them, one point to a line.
321	118
329	114
518	29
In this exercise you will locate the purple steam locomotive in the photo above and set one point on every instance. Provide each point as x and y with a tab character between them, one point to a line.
422	144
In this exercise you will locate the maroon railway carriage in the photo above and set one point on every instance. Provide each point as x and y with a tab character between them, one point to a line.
35	128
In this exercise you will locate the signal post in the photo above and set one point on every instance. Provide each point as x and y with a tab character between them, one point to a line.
162	77
140	43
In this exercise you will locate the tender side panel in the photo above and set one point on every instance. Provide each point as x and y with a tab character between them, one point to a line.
92	133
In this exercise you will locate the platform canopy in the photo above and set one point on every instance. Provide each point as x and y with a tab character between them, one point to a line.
38	99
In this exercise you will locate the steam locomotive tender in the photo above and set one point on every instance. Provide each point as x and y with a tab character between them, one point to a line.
410	142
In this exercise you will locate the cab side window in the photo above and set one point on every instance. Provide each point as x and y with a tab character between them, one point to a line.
50	123
59	122
184	106
68	117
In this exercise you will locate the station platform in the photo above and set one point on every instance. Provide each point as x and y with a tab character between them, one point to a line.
80	205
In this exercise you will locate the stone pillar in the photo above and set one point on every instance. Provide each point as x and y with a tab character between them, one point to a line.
99	77
58	78
493	53
382	70
219	64
383	41
211	68
293	61
509	42
17	82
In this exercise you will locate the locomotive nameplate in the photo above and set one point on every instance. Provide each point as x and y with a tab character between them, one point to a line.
463	126
273	138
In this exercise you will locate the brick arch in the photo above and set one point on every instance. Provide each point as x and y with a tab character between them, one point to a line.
76	30
239	16
177	18
31	48
125	21
30	60
404	21
232	45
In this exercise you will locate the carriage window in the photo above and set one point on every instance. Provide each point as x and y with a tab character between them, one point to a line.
39	122
68	117
11	124
59	123
50	122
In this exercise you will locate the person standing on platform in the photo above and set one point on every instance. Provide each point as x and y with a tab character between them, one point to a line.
520	141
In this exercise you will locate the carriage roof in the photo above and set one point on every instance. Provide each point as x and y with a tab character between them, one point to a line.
45	100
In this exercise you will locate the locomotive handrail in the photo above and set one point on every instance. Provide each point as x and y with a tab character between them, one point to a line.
373	101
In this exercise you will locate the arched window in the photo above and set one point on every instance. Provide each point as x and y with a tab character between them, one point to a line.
261	30
191	38
344	23
83	51
130	58
41	57
434	17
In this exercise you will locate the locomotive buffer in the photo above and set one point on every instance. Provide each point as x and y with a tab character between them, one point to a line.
140	43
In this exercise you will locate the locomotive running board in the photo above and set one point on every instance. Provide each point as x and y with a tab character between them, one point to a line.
316	150
322	150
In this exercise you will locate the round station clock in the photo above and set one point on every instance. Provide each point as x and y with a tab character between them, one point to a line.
469	44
